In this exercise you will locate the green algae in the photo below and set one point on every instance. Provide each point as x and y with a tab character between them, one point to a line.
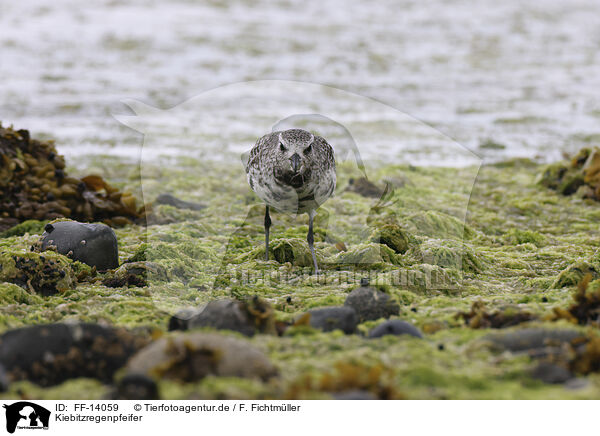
13	294
521	244
28	226
393	236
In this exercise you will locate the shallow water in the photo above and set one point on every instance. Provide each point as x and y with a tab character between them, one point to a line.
526	77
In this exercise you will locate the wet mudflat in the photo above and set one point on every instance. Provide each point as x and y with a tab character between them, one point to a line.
421	305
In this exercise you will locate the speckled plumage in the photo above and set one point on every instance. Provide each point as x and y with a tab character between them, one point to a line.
271	178
292	171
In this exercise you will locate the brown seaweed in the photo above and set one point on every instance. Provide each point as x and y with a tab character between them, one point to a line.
35	186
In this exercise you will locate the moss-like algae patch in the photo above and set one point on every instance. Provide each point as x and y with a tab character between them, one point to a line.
523	246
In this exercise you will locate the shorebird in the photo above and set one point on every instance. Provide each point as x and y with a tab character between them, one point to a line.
292	171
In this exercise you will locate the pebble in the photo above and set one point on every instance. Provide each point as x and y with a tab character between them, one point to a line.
334	318
191	356
92	244
246	317
395	327
370	304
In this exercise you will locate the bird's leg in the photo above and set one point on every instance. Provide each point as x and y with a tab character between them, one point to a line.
267	225
311	239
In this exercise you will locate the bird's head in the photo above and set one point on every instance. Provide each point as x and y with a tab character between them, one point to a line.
294	156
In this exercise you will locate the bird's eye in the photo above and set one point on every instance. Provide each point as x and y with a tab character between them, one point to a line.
308	149
282	147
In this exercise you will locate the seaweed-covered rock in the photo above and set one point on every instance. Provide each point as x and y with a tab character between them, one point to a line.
246	317
34	185
348	379
451	254
334	318
370	303
45	274
92	244
583	356
52	353
517	236
136	274
368	255
395	327
438	225
479	318
291	250
580	175
176	202
191	356
573	274
393	236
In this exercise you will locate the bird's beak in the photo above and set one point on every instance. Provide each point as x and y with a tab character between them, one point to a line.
295	160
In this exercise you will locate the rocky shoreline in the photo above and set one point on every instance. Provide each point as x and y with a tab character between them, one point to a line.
166	314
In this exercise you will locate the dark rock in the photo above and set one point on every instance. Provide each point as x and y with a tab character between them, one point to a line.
170	200
333	318
535	340
395	327
370	303
551	373
246	317
4	383
136	387
181	319
224	315
93	244
354	395
52	353
191	356
364	187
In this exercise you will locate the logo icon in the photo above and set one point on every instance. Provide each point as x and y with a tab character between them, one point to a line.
26	415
